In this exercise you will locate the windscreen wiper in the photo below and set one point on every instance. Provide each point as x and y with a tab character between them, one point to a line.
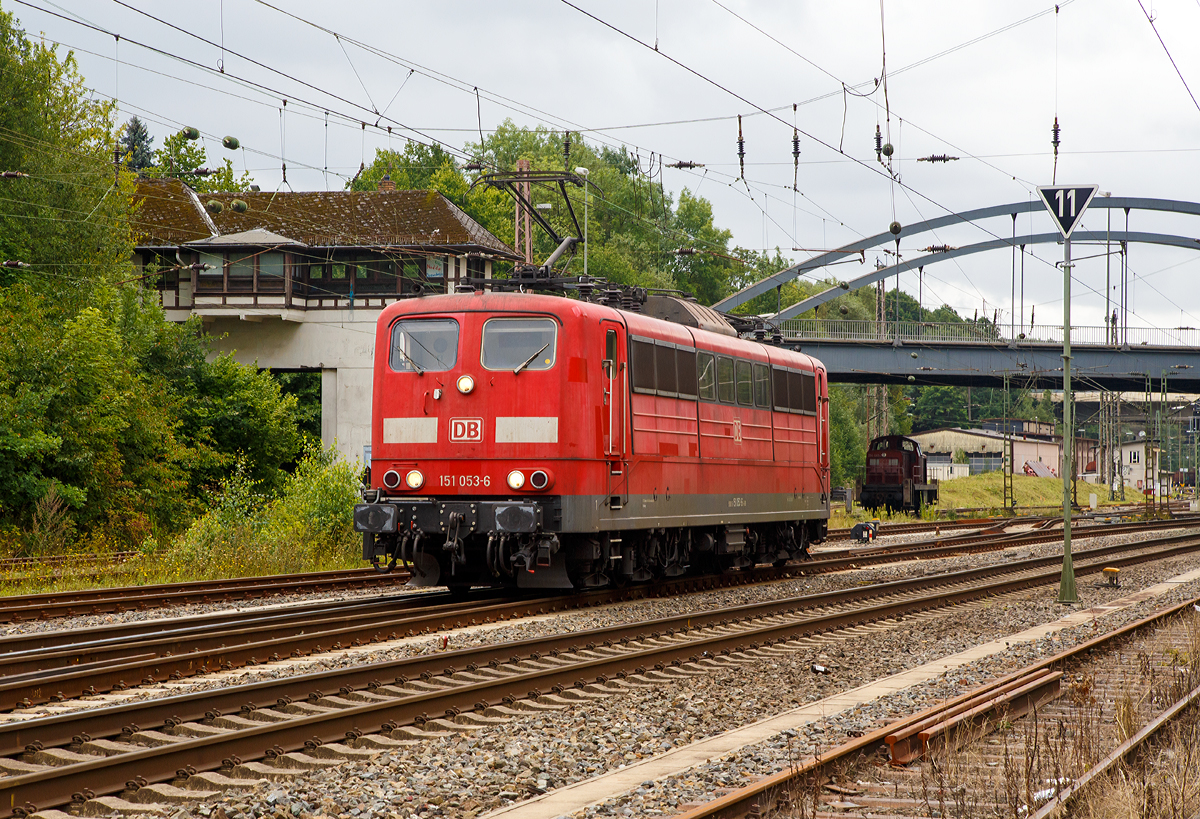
531	358
407	358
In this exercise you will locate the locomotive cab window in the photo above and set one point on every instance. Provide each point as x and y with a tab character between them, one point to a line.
424	344
907	446
511	343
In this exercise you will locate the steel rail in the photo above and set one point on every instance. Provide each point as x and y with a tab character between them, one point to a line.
131	598
116	662
1069	794
109	774
762	796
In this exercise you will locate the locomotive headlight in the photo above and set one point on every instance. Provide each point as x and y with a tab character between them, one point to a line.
465	384
414	479
516	479
391	479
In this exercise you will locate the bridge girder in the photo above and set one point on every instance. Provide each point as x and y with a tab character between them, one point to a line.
985	365
966	217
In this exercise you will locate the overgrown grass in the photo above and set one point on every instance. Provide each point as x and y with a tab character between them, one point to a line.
986	491
307	527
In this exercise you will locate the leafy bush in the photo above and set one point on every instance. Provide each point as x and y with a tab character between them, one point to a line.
246	531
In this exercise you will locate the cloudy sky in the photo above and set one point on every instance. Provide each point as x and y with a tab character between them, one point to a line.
982	82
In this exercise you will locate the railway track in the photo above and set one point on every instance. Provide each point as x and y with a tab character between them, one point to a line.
266	728
51	666
1032	743
143	598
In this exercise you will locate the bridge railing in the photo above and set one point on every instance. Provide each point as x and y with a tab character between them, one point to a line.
983	332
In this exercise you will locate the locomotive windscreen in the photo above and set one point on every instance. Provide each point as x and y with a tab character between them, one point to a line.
509	343
424	344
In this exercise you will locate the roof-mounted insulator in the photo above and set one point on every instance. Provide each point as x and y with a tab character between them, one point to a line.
741	148
684	165
938	249
238	206
15	263
937	158
13	174
878	143
213	206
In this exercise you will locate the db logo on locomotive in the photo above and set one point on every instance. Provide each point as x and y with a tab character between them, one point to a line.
466	429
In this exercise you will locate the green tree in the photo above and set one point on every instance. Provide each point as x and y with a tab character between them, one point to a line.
847	436
937	407
181	157
66	218
134	143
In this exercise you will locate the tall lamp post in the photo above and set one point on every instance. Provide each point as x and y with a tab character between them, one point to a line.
584	173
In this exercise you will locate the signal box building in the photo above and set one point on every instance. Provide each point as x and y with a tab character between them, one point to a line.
295	281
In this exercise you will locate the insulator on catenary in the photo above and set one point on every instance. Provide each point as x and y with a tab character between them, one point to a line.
13	175
686	251
795	145
686	165
566	149
938	249
190	133
937	158
878	143
15	263
741	149
1055	133
232	143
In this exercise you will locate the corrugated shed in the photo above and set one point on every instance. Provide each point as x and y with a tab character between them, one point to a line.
172	214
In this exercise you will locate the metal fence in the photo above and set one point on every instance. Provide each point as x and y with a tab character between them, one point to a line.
980	332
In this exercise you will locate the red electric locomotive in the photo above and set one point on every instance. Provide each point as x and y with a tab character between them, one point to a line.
897	476
548	442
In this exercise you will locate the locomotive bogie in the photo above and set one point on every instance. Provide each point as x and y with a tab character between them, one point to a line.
543	442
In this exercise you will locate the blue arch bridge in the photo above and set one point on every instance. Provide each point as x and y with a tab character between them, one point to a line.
1110	357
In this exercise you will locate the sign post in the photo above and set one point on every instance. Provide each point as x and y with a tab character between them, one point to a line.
1066	204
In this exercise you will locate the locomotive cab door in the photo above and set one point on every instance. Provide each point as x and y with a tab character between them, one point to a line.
615	410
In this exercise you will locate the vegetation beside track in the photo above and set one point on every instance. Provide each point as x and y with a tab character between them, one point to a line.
247	531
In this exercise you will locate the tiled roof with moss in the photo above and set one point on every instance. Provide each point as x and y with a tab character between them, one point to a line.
171	214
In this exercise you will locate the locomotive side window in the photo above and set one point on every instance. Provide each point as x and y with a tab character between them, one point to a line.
509	343
666	381
686	359
706	363
725	380
745	383
762	386
808	387
795	392
424	344
779	378
643	366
